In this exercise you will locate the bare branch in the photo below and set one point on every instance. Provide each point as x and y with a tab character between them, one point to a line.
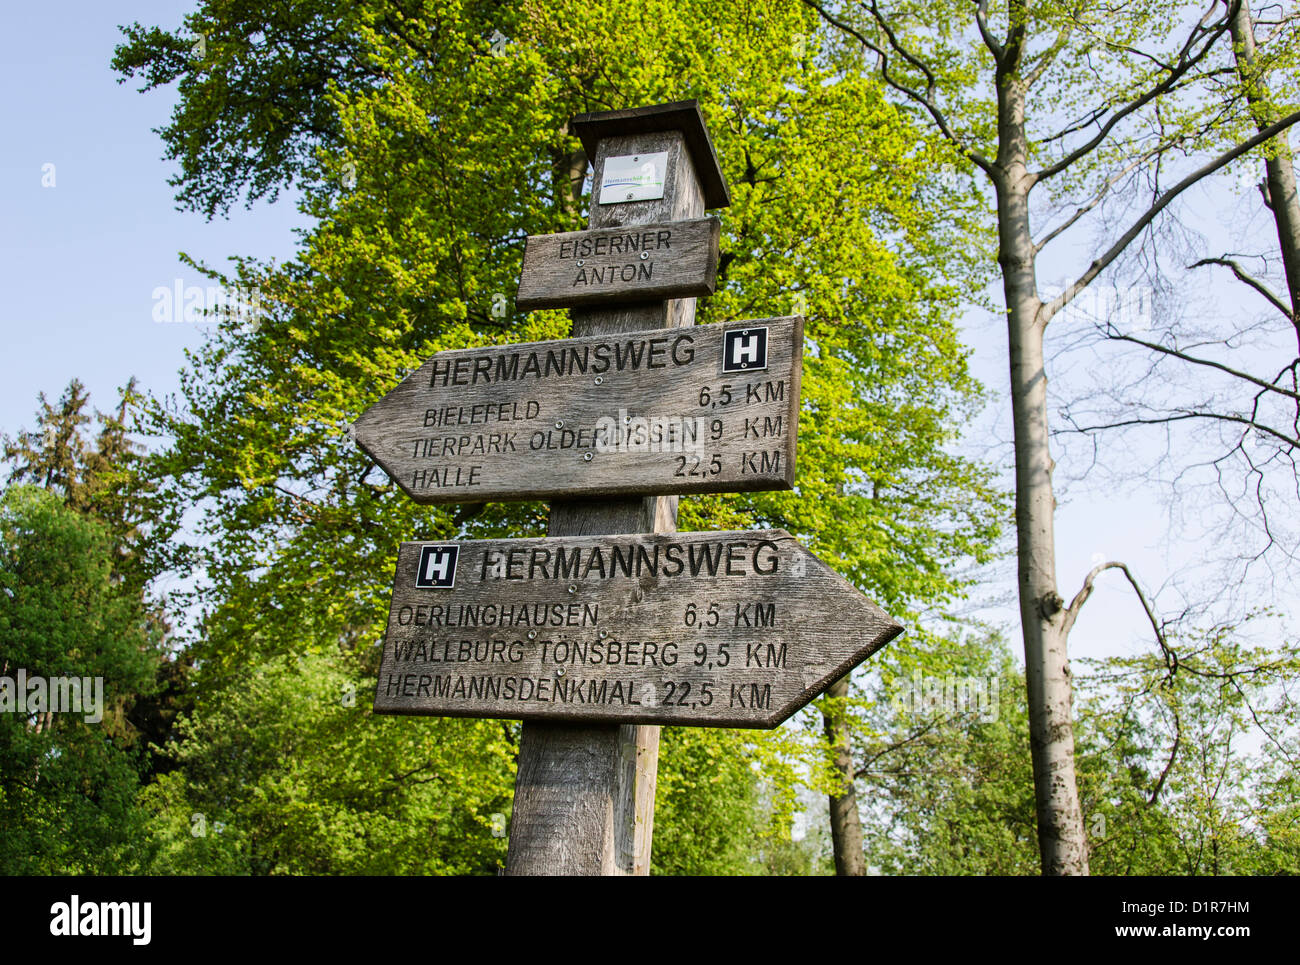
1076	126
301	500
1101	263
1080	598
1249	279
865	769
926	99
1259	723
981	19
1185	62
1210	363
1096	200
1184	416
1173	756
1046	58
1015	45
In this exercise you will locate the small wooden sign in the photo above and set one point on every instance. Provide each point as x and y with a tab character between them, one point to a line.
735	629
711	408
607	266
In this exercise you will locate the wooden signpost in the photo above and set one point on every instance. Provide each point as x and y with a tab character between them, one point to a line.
713	408
613	624
736	629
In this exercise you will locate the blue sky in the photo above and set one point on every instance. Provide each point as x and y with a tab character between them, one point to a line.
80	260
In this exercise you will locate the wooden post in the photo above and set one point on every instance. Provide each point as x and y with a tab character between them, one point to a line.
584	794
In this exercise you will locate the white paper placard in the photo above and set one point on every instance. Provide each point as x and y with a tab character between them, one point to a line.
634	177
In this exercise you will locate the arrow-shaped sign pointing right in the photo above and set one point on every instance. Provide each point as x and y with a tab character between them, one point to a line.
736	629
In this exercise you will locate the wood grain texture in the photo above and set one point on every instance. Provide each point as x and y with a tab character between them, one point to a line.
578	804
608	266
584	800
641	412
736	629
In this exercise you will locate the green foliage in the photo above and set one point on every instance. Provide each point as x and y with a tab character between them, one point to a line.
726	800
946	775
97	475
1190	757
67	785
706	804
427	147
290	773
1186	765
254	85
100	477
808	856
54	454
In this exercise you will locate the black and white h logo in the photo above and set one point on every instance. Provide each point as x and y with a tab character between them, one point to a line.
437	569
744	350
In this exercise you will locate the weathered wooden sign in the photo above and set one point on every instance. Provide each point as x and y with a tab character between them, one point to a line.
736	629
606	266
711	408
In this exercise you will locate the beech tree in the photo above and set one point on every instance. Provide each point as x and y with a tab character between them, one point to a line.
1256	63
1071	99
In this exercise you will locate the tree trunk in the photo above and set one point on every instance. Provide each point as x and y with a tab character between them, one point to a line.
1279	166
1062	844
846	824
